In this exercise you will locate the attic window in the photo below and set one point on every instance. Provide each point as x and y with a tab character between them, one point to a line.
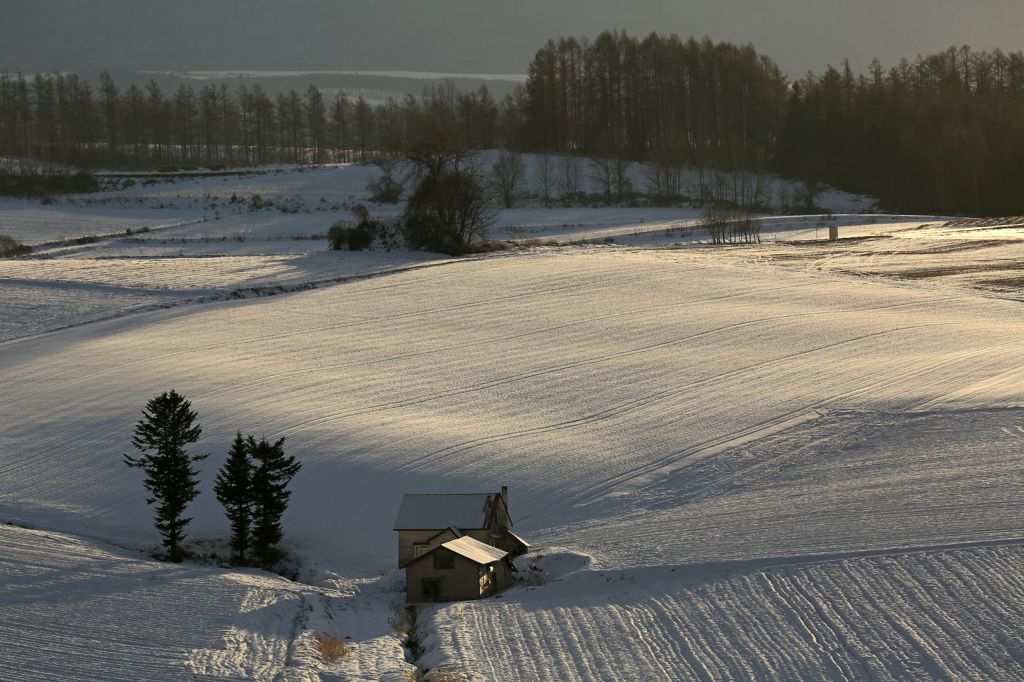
443	560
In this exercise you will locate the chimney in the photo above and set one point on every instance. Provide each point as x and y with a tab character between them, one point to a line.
504	495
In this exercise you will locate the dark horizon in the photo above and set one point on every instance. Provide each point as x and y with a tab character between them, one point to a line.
463	36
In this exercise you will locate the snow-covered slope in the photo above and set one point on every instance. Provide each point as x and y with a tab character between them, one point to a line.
758	462
935	615
573	376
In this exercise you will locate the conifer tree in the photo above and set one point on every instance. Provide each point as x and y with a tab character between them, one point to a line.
161	436
270	477
234	490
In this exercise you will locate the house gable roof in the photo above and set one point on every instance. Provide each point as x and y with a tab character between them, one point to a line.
456	533
437	512
474	550
467	547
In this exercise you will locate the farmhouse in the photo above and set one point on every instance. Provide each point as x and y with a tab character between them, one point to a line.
462	568
427	521
456	546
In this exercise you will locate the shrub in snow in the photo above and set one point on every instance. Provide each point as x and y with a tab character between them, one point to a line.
330	647
387	187
346	235
363	234
11	247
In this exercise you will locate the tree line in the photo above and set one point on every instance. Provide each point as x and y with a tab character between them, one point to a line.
251	485
942	134
61	120
659	100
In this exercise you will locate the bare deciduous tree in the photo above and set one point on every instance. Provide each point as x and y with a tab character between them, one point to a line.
544	178
570	174
508	171
452	204
387	187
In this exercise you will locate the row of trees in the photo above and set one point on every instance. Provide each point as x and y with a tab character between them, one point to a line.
62	120
944	133
659	99
252	484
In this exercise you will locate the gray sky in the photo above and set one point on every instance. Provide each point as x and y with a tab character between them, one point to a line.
474	36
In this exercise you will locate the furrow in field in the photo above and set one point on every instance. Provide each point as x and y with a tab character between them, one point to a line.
588	376
869	618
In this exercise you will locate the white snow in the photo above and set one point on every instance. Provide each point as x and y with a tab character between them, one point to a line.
798	459
463	511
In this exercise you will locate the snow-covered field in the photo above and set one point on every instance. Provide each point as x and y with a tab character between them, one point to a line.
798	459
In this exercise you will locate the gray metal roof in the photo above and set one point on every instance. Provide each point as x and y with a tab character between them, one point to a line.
429	512
474	550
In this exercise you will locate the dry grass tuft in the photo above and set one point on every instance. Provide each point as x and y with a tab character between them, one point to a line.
399	619
330	647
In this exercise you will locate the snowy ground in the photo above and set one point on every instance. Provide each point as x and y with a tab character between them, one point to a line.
798	459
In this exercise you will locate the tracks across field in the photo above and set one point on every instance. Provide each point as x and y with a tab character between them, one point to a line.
936	614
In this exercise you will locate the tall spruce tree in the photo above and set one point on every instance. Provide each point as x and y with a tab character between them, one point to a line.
234	490
270	477
161	436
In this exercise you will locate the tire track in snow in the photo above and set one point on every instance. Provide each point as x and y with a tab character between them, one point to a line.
643	402
679	459
844	619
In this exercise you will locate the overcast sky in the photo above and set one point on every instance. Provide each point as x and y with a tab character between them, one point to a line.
474	36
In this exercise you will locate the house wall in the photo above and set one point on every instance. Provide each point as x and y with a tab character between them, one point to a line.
483	536
408	538
510	544
501	517
441	538
462	581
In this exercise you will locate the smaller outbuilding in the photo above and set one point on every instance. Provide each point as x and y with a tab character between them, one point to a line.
462	568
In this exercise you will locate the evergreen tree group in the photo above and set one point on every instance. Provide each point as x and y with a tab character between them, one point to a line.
252	487
252	484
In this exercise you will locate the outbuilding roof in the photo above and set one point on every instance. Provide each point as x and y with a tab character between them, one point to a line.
474	550
429	512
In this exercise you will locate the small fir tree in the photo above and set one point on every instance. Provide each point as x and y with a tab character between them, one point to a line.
167	426
270	477
233	489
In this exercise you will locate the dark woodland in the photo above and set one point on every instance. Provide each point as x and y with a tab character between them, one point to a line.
941	134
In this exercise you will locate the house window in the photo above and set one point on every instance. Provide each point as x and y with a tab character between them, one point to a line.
419	550
444	560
